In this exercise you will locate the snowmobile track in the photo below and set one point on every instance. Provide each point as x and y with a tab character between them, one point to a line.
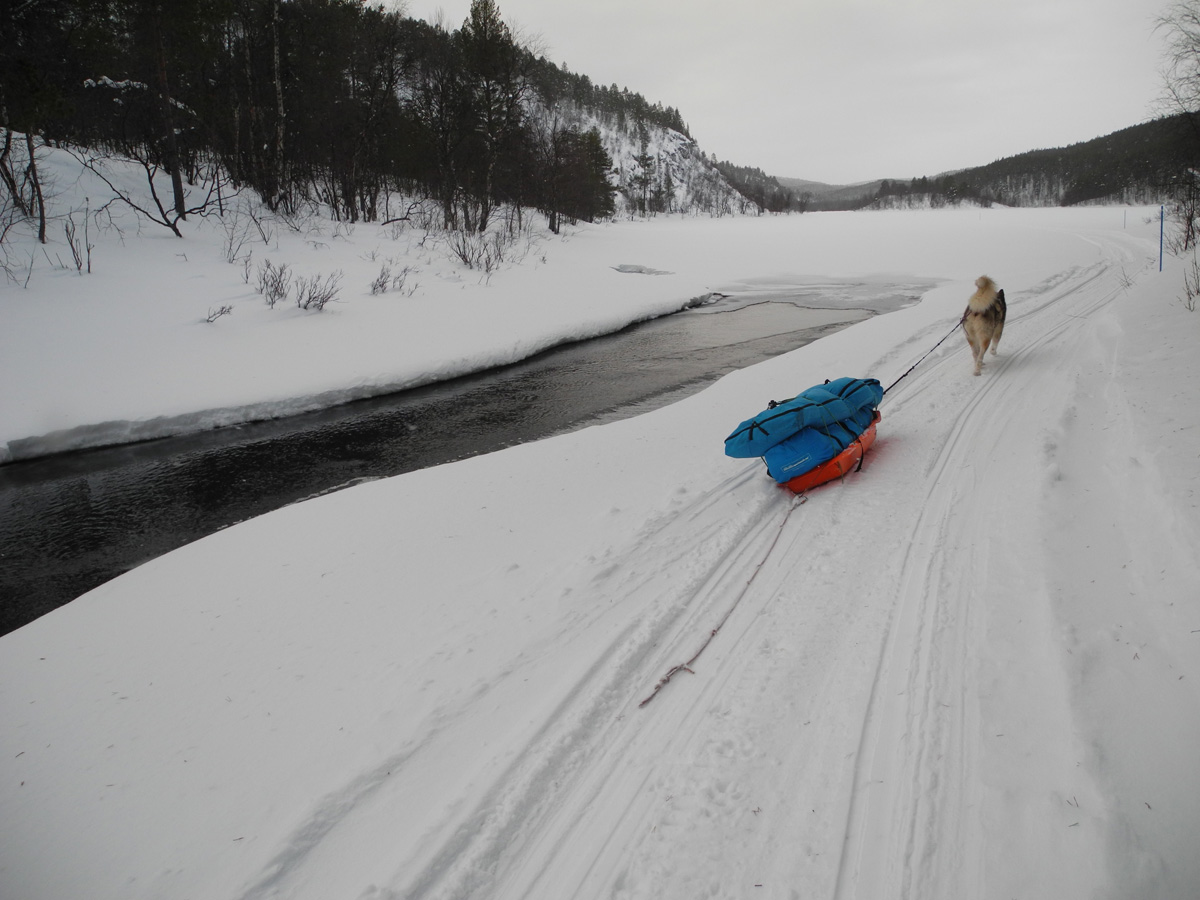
918	751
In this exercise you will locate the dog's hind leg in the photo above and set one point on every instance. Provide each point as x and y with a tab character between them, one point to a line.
976	348
1002	308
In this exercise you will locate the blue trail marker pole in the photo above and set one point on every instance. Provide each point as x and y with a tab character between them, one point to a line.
1162	218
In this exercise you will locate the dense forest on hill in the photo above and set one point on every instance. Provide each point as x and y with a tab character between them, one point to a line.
766	192
621	106
1140	164
374	116
334	103
1136	164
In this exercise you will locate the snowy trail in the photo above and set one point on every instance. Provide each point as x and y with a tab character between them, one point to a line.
599	798
921	754
912	777
931	745
595	797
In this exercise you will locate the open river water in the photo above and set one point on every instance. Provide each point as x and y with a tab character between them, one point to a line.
70	522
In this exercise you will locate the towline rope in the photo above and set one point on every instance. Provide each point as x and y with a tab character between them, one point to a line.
799	499
687	666
922	359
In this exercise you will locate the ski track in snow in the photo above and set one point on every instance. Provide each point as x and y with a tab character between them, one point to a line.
594	796
467	851
920	749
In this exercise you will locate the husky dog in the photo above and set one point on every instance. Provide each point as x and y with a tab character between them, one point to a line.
983	320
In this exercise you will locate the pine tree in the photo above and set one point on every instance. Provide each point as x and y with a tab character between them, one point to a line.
643	179
497	84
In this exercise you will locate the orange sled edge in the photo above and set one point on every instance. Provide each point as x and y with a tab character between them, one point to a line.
839	465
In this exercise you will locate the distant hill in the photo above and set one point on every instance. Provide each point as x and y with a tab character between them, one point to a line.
1133	165
763	192
833	196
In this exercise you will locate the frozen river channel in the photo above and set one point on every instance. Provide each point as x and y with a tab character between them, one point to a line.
71	522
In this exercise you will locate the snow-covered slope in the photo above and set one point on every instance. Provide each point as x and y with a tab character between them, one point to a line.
681	175
968	670
80	345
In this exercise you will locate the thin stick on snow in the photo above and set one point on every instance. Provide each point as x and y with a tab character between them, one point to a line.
687	666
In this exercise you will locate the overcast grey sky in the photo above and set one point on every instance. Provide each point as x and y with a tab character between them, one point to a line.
843	91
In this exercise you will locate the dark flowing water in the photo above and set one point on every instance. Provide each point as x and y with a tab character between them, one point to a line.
71	522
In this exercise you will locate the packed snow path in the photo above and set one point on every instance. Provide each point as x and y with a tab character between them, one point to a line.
934	679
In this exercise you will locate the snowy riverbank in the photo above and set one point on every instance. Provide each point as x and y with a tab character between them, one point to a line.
126	353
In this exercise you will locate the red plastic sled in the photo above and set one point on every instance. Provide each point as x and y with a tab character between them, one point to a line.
839	465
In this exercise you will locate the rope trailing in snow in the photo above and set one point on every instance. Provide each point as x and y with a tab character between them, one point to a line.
687	666
922	359
800	498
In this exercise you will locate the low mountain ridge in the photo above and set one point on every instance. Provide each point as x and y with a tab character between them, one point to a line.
1132	165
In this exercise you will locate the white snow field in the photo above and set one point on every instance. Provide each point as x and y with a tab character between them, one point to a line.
969	670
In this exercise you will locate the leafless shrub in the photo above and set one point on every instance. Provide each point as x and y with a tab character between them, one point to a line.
214	314
382	281
488	251
236	236
400	282
467	246
386	280
265	228
1191	284
242	225
315	292
482	251
273	282
81	247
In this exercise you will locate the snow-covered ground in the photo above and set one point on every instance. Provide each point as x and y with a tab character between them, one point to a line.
127	353
971	669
